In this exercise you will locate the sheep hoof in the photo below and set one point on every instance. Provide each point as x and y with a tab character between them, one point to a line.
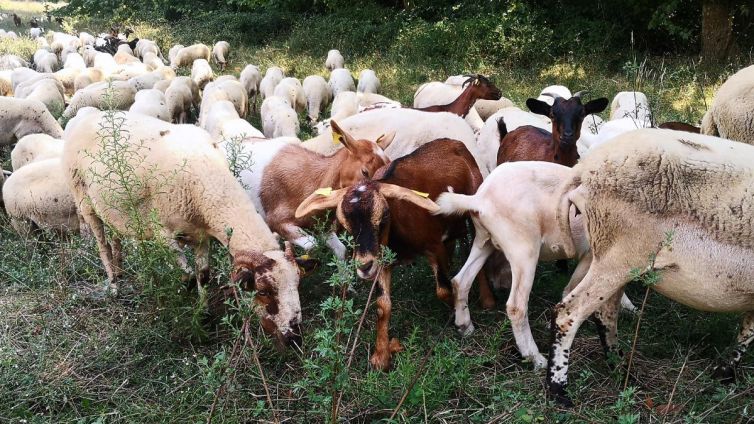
465	330
539	362
725	373
558	394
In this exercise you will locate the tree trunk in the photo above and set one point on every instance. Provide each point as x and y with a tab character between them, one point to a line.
717	30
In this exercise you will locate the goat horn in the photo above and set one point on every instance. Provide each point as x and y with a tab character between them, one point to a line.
553	95
581	93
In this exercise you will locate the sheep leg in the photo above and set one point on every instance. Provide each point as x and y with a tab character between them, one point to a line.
727	373
105	251
439	261
580	272
606	320
523	266
383	346
481	249
117	248
201	257
600	283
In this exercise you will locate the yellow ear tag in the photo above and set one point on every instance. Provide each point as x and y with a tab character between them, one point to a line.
336	138
324	191
419	193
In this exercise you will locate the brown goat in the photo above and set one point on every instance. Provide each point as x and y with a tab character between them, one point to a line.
559	146
290	172
679	126
476	87
387	212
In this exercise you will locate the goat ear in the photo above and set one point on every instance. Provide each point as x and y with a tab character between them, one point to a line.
340	136
595	106
385	139
318	202
419	199
539	107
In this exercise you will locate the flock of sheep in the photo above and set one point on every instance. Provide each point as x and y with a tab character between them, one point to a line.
554	183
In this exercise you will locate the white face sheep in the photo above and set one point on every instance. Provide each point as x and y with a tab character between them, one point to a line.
201	73
220	53
250	78
368	82
291	90
22	117
187	55
272	77
340	81
731	113
152	103
206	201
334	60
666	202
318	96
278	118
631	104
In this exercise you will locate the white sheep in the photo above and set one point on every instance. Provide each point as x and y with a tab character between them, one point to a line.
217	113
10	62
22	117
670	203
124	55
220	53
152	103
49	91
74	61
148	80
486	108
250	78
87	77
278	118
45	61
173	52
179	99
35	147
224	89
116	94
318	96
145	46
547	93
732	111
341	80
37	196
66	51
272	77
291	90
368	82
514	211
334	60
162	85
187	55
35	32
6	84
631	104
205	201
105	62
201	72
348	103
152	60
86	39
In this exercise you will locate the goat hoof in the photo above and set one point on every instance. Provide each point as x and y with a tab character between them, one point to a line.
380	361
725	374
395	345
465	330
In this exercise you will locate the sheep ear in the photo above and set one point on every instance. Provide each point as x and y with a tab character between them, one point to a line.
320	200
539	107
595	106
340	136
420	199
385	139
244	277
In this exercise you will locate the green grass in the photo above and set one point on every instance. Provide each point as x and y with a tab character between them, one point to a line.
68	356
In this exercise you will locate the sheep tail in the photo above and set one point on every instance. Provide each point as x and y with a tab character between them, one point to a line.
564	216
455	204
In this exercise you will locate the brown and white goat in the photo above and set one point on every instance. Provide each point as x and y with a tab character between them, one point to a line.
559	146
283	174
476	87
387	212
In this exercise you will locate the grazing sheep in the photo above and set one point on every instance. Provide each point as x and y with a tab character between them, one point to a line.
205	201
291	90
152	103
187	55
732	111
74	61
145	46
250	78
201	73
9	62
37	196
22	117
105	62
318	96
368	82
35	32
220	53
334	60
278	118
162	85
152	61
667	202
86	39
216	114
124	57
45	61
224	89
179	99
272	77
631	104
48	90
173	52
6	84
349	103
121	97
238	128
341	80
87	77
35	147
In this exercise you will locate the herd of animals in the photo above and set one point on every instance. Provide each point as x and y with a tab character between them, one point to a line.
552	183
